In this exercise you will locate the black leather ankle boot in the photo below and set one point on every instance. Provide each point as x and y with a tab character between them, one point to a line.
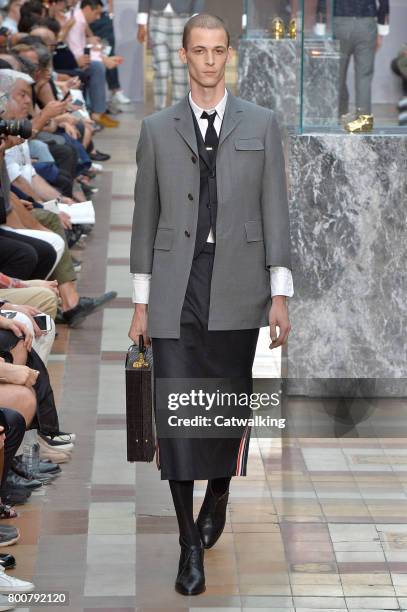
191	575
212	517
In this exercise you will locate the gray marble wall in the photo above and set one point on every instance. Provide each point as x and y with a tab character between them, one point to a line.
270	75
348	200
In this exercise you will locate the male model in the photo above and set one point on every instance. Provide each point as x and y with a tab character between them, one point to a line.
211	237
166	22
359	25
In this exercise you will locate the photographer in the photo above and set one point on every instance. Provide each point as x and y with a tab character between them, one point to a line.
22	256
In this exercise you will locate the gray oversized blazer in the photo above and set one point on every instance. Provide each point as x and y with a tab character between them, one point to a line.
252	227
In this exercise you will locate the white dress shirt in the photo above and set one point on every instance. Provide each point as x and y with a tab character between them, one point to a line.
142	18
281	280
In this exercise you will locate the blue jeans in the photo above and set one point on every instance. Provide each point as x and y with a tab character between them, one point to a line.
40	150
103	28
96	87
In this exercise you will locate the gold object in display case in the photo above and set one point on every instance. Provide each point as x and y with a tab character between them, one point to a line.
364	123
277	28
292	29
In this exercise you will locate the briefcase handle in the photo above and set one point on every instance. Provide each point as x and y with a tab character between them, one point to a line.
141	361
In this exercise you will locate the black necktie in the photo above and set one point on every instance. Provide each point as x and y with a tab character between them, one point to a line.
211	137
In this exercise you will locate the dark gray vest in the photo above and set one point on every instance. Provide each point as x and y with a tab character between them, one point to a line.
208	199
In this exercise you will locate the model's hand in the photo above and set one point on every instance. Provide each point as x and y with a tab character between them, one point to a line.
138	324
142	33
278	316
379	42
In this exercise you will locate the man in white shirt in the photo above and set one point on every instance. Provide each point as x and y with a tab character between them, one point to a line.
166	22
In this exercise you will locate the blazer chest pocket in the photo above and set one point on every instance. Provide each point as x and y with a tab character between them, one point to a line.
249	144
254	230
164	238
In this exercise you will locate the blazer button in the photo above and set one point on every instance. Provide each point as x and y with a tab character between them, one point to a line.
187	234
193	158
190	196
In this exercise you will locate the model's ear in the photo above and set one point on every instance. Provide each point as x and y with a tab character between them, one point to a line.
182	55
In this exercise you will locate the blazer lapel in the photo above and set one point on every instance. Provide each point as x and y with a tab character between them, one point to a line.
184	124
231	119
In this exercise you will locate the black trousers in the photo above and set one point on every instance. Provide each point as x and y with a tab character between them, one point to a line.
25	257
16	429
203	354
66	158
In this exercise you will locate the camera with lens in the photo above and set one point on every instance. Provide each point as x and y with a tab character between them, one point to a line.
15	127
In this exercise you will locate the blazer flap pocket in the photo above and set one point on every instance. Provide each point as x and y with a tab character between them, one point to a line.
254	230
249	144
164	238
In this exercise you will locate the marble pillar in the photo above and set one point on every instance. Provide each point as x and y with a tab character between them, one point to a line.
348	198
270	75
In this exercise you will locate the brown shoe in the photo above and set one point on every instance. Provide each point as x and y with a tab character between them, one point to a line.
107	122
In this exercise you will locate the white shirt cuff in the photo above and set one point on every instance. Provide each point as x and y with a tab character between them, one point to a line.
320	29
383	29
142	18
281	281
141	288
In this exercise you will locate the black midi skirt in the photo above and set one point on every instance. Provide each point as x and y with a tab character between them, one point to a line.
203	354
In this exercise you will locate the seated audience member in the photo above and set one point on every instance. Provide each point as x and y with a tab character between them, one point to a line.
16	348
31	13
21	172
40	294
22	256
11	434
103	28
93	64
43	340
13	15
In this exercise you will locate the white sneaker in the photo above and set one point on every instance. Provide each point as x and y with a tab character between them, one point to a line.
402	105
96	167
120	98
9	584
49	444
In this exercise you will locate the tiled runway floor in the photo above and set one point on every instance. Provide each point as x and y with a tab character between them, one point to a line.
318	524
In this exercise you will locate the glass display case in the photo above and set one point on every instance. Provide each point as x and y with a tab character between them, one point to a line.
260	15
292	58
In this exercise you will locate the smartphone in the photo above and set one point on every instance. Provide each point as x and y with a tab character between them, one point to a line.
87	49
43	321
